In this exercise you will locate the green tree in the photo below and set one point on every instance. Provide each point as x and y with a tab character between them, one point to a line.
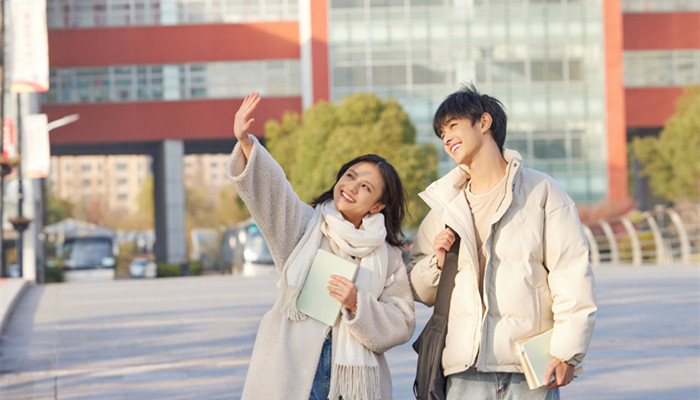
143	218
230	208
672	161
57	209
312	149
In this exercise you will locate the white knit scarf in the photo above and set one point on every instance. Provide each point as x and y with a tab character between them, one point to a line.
355	373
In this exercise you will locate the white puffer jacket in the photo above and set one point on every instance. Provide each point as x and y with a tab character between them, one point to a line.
537	271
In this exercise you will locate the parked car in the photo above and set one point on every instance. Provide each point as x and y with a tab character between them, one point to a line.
245	251
142	267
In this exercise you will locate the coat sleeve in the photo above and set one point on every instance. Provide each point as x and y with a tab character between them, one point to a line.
424	275
570	282
274	206
380	324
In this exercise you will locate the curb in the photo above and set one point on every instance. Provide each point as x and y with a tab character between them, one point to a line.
11	290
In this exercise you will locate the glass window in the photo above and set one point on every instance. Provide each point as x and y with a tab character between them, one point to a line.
423	74
508	71
519	145
547	149
578	149
146	82
335	4
575	70
389	75
349	76
687	67
547	71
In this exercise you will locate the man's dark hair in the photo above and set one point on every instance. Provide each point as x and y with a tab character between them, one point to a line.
393	196
469	103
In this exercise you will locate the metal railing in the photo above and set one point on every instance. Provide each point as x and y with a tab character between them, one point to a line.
661	237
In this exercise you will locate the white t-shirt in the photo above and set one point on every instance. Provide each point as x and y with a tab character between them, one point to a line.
483	207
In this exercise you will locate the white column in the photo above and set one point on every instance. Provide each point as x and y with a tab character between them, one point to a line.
306	62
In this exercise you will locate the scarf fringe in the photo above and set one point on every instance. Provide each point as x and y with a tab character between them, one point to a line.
355	382
289	306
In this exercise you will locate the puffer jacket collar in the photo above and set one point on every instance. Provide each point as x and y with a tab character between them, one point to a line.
446	197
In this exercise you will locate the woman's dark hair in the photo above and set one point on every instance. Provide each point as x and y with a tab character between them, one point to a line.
393	196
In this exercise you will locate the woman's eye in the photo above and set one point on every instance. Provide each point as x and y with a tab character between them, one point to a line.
366	187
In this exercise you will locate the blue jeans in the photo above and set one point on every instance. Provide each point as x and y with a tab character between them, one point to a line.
322	381
472	384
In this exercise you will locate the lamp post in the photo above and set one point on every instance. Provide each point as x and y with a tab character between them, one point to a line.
41	271
20	223
5	167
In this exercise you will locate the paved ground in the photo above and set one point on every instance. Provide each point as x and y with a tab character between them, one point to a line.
191	338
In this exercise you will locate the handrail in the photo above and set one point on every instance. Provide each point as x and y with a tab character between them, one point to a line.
661	237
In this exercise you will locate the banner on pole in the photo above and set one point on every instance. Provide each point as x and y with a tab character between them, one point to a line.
30	46
36	153
9	139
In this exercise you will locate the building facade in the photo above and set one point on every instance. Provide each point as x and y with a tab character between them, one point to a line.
574	75
117	180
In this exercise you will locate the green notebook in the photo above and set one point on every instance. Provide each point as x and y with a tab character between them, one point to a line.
314	299
534	356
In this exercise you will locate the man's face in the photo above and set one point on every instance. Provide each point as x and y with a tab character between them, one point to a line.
461	138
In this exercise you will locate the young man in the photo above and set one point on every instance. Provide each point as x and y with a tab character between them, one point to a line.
523	259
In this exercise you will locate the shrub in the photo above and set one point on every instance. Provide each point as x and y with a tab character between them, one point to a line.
196	268
165	270
53	275
646	241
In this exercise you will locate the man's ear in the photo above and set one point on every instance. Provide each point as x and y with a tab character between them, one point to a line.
376	208
485	122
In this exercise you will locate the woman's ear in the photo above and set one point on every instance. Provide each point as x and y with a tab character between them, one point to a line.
376	208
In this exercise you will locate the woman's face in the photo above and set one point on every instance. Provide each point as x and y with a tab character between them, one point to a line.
358	192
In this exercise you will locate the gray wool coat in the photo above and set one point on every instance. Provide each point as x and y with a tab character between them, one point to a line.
286	354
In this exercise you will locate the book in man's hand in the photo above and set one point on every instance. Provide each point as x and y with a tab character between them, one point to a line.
314	299
534	356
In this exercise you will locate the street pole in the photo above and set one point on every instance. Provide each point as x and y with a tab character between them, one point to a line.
5	167
20	224
41	268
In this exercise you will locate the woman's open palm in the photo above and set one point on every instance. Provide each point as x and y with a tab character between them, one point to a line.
242	121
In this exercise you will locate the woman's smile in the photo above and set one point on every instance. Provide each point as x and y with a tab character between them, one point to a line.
346	197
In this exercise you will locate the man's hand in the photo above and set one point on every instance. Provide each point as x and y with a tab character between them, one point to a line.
242	122
344	291
563	373
442	244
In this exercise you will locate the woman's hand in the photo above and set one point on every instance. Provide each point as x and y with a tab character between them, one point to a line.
242	122
442	244
344	291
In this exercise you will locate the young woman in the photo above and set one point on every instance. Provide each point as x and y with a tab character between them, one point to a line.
359	219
